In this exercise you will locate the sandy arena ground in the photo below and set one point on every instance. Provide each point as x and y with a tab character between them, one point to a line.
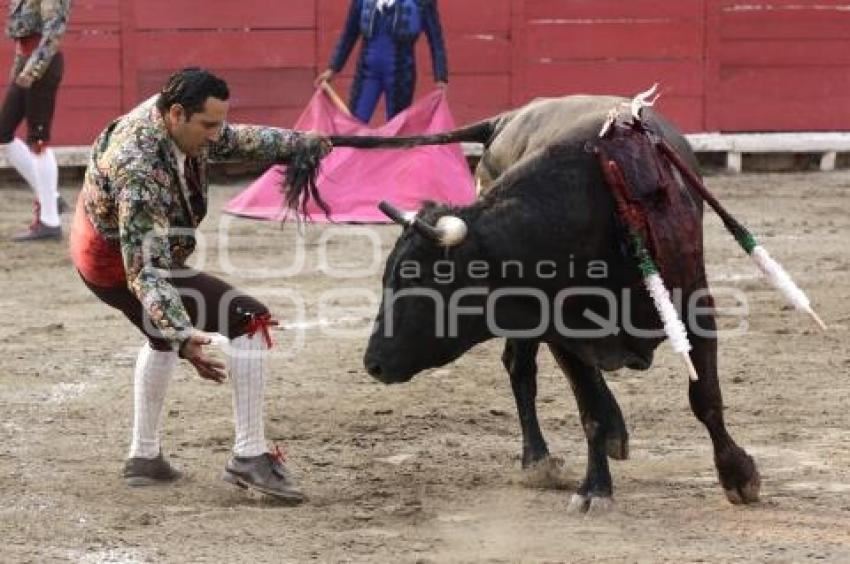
427	471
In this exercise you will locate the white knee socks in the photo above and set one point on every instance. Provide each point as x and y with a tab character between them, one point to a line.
20	157
41	173
47	173
153	372
248	372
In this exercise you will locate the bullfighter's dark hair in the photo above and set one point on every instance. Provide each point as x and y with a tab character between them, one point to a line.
190	88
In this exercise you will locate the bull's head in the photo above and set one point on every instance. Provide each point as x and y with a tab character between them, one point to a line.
413	329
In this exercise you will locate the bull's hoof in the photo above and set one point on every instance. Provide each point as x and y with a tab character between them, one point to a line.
548	474
591	505
745	493
739	477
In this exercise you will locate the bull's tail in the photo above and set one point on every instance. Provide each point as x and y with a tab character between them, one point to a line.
480	132
777	275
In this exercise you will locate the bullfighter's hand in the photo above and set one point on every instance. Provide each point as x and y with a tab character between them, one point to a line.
206	366
24	80
442	85
326	76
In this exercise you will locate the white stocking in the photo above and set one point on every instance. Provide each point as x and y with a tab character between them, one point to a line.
47	186
248	372
22	159
153	372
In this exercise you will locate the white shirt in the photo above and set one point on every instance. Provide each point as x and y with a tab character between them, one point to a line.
382	4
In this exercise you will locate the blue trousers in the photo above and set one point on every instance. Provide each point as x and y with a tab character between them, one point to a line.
387	68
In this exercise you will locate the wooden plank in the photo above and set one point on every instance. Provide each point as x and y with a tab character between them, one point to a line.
487	90
784	52
478	54
469	114
80	126
619	41
225	14
475	16
331	14
275	116
250	88
790	115
74	39
104	41
129	57
326	41
686	112
92	59
626	78
774	85
711	68
613	9
86	14
467	16
90	97
519	87
455	17
794	21
85	66
227	49
681	84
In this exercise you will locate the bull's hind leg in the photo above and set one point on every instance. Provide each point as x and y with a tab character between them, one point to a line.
597	417
735	468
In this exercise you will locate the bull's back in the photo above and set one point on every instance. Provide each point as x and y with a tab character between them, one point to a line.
546	121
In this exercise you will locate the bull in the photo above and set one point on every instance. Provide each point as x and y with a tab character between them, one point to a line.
541	258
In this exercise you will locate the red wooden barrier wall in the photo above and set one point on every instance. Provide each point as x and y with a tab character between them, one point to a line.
723	65
615	46
779	65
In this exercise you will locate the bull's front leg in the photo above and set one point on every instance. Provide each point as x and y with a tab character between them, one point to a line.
539	469
593	398
520	360
735	468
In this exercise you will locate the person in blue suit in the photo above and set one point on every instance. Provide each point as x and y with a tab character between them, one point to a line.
387	63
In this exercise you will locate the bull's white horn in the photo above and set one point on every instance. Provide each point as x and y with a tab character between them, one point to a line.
642	100
452	230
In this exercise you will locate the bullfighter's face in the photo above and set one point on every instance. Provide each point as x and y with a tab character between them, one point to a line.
192	134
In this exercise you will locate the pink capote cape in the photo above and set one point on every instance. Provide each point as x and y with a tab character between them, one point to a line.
353	181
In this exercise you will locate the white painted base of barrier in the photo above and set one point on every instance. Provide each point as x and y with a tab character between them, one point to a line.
735	145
